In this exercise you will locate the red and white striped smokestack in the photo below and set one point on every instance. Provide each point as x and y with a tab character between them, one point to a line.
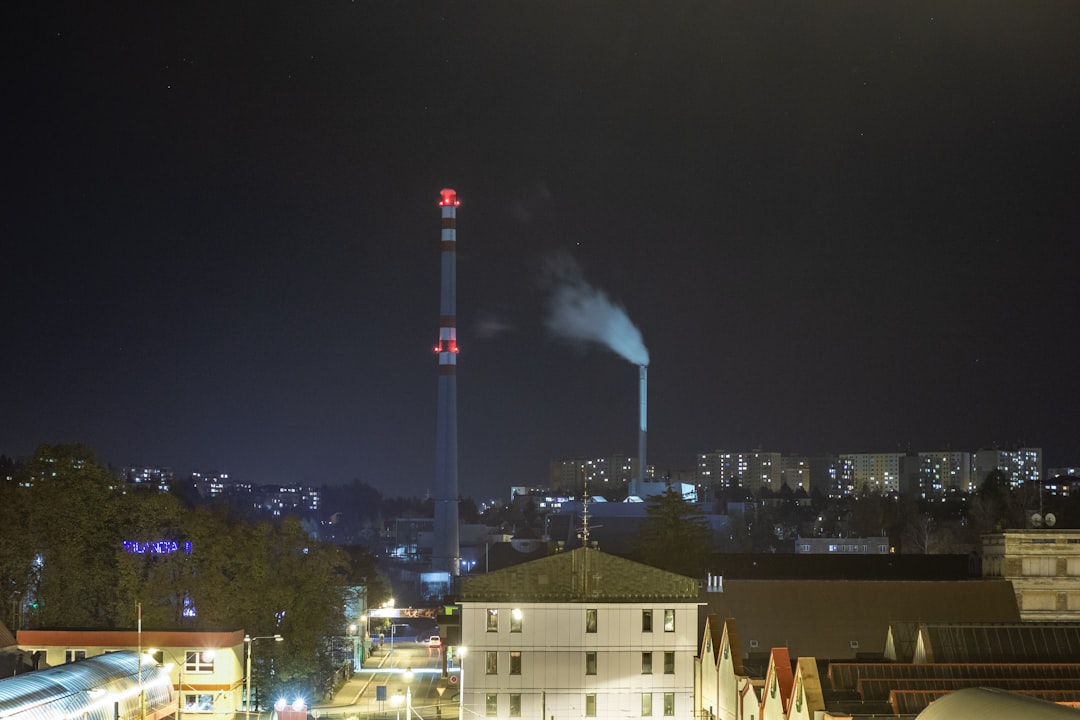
446	551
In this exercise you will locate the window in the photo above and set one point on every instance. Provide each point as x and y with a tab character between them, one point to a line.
669	704
515	620
669	621
590	663
515	704
669	663
646	663
195	702
515	662
646	704
199	662
590	621
493	620
590	705
491	705
73	655
492	662
646	621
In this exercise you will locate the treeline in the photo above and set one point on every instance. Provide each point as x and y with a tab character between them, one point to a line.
79	549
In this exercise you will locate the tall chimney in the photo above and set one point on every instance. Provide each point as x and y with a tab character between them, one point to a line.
446	551
642	427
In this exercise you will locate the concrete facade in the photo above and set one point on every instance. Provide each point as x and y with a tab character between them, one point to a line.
579	634
1043	567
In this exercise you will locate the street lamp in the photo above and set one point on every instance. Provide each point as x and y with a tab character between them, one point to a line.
408	693
250	641
363	641
461	653
206	655
393	626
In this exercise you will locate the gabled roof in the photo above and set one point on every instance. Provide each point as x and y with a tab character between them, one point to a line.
778	681
584	574
713	641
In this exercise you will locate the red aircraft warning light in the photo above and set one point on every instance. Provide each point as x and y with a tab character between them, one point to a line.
449	197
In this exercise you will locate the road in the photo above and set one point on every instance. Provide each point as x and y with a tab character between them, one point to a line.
433	696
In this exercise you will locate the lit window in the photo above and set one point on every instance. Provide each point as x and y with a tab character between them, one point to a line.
669	704
199	661
669	621
590	705
195	702
491	705
492	620
646	621
646	663
515	662
669	663
590	663
515	704
492	662
590	621
515	620
646	704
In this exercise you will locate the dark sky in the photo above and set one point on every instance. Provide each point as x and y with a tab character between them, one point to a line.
839	226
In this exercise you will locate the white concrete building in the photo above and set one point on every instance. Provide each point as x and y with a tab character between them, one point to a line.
579	634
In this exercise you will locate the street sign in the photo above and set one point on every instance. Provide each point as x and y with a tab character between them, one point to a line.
453	679
380	693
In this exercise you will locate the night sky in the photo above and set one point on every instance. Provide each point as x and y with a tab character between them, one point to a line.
839	227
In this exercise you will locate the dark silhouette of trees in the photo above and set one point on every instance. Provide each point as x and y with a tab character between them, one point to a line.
80	549
675	536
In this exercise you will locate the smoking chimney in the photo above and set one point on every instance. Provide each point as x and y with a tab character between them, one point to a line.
642	430
446	553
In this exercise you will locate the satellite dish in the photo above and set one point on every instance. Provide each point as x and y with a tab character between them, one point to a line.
1036	520
1050	519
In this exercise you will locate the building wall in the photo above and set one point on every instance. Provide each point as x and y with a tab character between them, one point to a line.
940	471
1022	465
1043	567
874	471
752	470
553	644
212	687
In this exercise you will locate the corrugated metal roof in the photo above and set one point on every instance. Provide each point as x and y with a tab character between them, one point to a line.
86	689
1018	643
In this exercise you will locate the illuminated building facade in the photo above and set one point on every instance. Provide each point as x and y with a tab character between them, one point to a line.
872	471
750	470
579	634
945	470
1043	567
1020	465
602	473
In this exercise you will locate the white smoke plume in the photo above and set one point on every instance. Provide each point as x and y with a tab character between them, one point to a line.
582	313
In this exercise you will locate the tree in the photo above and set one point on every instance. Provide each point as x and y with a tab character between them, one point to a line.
675	535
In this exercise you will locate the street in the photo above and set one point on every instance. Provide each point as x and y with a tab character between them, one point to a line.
432	696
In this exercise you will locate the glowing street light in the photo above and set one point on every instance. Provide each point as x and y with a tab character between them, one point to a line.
408	693
394	626
461	653
250	642
205	655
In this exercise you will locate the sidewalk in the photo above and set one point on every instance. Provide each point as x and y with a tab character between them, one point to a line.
355	686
